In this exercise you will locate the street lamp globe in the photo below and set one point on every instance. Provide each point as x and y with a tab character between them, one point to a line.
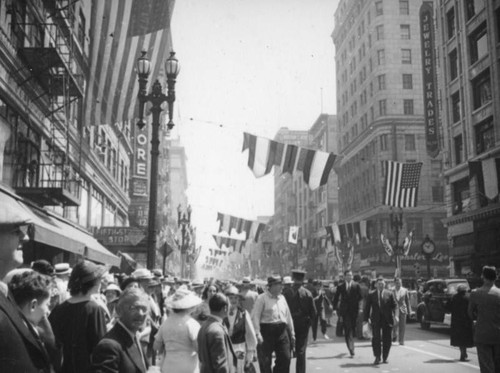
143	66
172	66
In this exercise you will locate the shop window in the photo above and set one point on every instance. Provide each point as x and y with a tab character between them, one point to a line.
478	43
409	142
481	90
485	136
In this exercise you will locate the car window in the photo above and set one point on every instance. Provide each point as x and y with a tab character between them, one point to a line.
452	287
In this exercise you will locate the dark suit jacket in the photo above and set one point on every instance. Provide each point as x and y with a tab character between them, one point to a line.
214	348
349	300
20	350
380	315
117	353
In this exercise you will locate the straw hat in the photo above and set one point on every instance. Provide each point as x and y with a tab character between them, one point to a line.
62	269
113	287
287	280
142	274
183	299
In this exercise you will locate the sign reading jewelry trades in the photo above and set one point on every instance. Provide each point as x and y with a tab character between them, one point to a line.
429	79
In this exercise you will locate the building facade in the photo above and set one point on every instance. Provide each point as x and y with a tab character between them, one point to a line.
468	39
380	109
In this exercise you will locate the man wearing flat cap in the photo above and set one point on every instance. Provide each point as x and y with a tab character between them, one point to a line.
301	304
274	328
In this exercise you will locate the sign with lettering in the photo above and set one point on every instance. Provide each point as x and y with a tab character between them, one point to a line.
138	214
119	236
429	79
140	164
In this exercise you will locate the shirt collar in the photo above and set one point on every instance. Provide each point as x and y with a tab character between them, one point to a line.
272	296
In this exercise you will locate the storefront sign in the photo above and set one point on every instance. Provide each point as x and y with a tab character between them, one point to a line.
429	79
119	236
140	164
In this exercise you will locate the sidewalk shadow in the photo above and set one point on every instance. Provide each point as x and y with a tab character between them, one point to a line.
439	361
360	365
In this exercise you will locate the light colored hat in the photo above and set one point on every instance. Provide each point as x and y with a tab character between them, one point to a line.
62	269
183	299
232	290
113	287
142	274
287	280
17	271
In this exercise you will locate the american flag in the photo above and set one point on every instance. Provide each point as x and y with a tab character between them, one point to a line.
401	184
120	30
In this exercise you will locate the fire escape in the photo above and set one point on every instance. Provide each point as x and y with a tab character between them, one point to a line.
46	47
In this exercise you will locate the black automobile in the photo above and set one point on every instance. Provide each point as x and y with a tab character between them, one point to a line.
437	292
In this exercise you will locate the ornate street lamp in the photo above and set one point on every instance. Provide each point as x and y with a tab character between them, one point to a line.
396	220
156	98
183	222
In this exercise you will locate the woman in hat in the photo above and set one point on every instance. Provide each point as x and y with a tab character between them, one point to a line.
241	330
112	293
79	323
177	336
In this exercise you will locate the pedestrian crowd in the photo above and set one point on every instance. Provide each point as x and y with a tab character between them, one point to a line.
85	319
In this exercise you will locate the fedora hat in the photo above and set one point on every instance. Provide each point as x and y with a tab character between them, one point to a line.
271	280
183	299
142	274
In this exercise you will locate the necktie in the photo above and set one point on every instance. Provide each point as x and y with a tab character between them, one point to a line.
379	297
348	287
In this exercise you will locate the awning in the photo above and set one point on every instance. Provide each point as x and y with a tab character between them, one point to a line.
52	230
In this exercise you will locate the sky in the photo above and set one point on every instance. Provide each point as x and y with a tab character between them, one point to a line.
246	66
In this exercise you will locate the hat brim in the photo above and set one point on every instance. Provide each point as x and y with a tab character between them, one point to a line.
185	303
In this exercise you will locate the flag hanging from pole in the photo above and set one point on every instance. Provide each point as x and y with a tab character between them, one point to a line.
487	174
293	235
401	184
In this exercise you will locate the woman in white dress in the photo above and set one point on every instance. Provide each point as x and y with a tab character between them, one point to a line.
177	336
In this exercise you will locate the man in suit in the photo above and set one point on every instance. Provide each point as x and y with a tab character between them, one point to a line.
484	305
120	350
402	310
21	347
301	304
379	309
214	344
349	295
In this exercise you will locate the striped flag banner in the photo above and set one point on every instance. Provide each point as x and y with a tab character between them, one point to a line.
401	184
121	29
252	228
228	242
263	154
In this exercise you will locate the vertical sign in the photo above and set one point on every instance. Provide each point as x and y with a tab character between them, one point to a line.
429	79
139	201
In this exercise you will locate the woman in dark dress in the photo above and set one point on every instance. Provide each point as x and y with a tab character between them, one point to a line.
79	323
461	334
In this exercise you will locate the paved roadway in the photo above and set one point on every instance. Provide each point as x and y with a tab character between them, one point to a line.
427	351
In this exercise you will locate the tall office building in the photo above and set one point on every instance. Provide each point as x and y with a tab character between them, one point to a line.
468	38
380	109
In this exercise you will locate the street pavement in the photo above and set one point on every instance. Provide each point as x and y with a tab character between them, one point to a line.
425	351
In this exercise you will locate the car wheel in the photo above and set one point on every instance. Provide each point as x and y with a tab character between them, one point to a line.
424	324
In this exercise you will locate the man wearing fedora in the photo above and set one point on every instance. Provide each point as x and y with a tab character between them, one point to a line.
21	349
301	304
120	351
274	328
249	296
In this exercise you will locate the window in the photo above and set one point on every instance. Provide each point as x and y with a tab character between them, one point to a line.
453	58
415	225
381	82
408	107
478	43
437	193
407	81
458	144
406	56
450	20
379	8
382	107
404	7
383	142
409	142
473	7
381	57
461	195
405	32
485	136
440	232
380	32
455	107
481	89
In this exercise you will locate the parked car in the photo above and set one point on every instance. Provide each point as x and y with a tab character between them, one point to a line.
436	293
